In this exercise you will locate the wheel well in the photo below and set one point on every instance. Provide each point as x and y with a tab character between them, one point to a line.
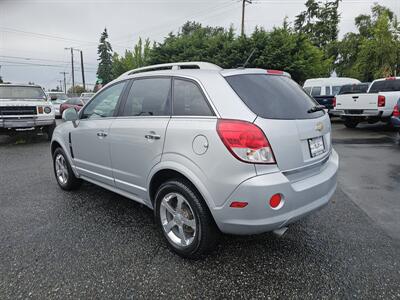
54	146
162	176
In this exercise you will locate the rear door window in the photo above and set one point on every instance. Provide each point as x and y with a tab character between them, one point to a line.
273	97
335	89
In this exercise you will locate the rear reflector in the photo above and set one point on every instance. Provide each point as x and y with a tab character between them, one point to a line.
276	201
381	101
245	141
238	204
396	112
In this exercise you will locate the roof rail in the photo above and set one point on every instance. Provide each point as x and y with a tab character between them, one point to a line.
174	66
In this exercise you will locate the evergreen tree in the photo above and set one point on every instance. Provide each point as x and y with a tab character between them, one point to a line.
104	70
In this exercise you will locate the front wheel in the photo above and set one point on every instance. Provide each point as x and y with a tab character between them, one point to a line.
184	219
65	177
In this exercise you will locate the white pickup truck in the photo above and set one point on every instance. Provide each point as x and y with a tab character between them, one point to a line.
25	107
373	106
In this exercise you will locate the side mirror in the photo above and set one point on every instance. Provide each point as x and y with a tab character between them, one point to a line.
53	98
70	114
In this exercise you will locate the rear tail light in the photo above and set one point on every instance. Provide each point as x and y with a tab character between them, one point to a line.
334	101
381	101
396	112
245	141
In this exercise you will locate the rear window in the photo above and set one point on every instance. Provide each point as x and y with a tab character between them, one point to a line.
21	92
388	85
273	97
353	89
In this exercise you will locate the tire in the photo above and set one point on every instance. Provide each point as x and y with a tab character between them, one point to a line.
350	123
193	211
49	131
67	181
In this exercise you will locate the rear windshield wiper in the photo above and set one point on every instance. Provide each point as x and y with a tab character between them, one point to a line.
316	108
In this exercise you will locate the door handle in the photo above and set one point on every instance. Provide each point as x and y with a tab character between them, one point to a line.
101	134
152	136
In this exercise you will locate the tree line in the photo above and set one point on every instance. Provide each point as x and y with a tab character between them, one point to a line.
309	47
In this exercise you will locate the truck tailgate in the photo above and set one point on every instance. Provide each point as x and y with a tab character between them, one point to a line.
357	101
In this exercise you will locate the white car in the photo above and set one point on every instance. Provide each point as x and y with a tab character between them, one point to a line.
86	96
57	98
25	107
377	104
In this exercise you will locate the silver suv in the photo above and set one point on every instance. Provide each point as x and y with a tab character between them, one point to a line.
240	151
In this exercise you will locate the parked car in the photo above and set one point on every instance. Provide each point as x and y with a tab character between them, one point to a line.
86	96
395	119
324	90
25	107
374	106
210	150
76	103
57	98
348	89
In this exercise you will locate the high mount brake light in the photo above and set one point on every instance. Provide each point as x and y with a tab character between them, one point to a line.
245	141
275	72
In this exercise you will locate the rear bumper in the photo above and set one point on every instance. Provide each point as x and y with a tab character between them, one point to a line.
300	199
363	113
16	123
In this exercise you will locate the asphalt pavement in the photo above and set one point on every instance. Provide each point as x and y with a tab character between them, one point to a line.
92	243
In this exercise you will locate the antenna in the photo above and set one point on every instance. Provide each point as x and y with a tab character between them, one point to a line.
248	59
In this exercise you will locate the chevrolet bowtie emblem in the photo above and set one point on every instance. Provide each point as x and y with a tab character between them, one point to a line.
319	126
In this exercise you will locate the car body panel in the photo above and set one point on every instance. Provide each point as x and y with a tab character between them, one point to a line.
132	154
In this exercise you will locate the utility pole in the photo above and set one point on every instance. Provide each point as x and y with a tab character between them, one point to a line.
72	67
65	82
83	72
243	7
60	85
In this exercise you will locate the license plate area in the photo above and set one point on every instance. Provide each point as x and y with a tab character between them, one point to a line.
316	146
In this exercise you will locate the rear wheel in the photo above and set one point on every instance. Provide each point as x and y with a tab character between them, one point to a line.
65	177
184	219
350	123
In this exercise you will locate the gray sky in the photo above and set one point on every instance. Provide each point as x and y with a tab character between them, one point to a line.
34	33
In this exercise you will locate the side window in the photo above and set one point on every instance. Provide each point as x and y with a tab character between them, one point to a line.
327	90
335	89
149	97
189	100
307	89
104	104
316	91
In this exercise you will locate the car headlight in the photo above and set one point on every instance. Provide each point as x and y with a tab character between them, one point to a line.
47	110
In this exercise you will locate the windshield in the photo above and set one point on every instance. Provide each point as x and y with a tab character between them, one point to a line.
273	97
22	92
